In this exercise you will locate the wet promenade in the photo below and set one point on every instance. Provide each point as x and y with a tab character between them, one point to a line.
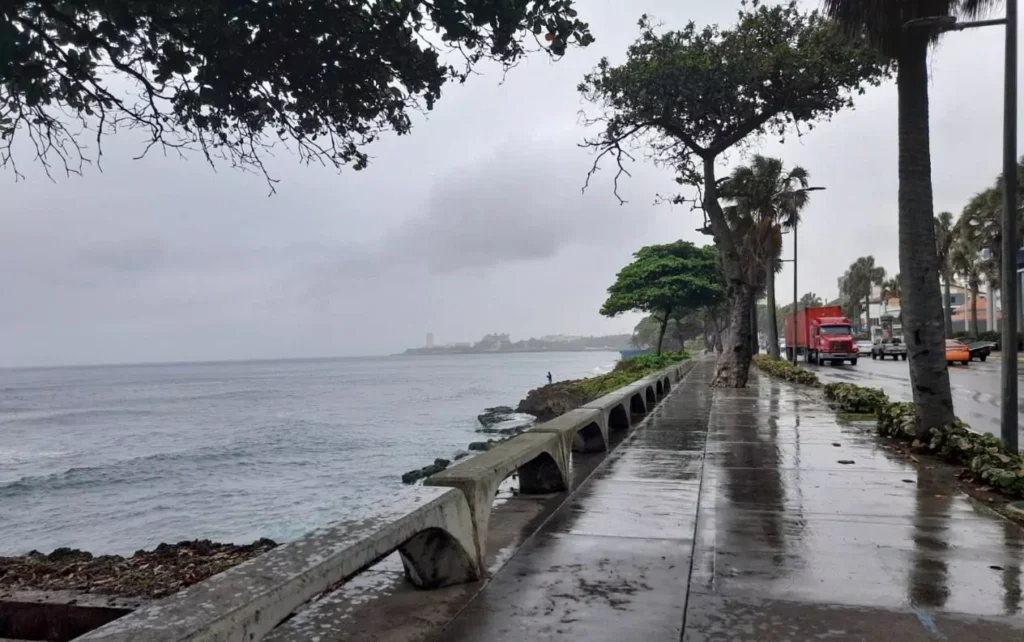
754	515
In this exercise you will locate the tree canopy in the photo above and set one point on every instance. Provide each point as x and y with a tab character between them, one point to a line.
811	300
981	219
665	280
690	95
856	285
683	98
231	79
883	21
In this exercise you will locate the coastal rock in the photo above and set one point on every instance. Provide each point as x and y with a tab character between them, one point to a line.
481	445
495	415
462	454
511	431
414	476
547	402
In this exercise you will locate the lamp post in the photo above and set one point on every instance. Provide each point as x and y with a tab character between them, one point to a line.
796	296
1009	419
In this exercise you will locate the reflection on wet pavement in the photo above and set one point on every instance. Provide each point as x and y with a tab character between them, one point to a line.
729	516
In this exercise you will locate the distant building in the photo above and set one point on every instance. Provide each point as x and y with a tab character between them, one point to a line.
559	338
494	342
430	339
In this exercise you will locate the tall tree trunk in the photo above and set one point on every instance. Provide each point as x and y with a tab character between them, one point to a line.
990	308
921	302
661	332
754	347
773	324
867	313
734	361
975	292
947	304
733	366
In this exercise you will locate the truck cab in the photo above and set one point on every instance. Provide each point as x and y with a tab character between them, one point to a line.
830	340
822	334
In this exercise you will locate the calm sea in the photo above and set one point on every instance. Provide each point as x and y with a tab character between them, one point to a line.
116	458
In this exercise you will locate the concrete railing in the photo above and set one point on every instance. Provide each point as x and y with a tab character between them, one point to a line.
244	603
440	531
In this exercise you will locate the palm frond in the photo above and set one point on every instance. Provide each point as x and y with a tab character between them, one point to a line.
882	21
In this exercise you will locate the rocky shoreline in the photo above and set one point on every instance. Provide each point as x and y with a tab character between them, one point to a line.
163	571
540	405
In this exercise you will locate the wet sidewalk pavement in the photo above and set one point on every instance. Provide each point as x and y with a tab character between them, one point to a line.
729	516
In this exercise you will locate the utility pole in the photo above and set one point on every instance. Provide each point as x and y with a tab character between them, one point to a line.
796	301
1009	418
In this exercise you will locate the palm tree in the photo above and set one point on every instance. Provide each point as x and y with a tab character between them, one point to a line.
945	234
858	282
811	300
883	22
765	200
964	258
891	289
982	223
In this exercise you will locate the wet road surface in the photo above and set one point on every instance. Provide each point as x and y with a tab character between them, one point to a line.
732	516
975	387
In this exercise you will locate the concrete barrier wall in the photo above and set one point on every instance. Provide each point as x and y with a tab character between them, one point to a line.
431	528
440	531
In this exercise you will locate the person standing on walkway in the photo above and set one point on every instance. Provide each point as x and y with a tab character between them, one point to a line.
549	377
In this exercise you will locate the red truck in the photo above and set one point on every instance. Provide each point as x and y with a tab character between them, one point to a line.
822	335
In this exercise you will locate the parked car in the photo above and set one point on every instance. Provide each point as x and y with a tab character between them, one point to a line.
864	346
980	349
889	347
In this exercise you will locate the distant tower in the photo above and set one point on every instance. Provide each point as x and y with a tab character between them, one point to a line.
430	339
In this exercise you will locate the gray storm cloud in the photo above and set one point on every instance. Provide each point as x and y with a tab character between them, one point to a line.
473	223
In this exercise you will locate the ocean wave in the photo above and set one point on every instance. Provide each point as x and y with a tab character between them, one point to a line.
10	456
70	417
280	447
136	470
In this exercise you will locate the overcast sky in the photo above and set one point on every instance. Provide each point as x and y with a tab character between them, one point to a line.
474	223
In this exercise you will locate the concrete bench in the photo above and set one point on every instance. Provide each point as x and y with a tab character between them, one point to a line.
614	408
583	430
540	459
641	397
430	527
648	387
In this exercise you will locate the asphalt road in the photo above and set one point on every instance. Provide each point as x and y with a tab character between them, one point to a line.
975	387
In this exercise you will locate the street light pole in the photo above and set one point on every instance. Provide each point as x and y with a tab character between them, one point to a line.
796	301
796	297
1009	417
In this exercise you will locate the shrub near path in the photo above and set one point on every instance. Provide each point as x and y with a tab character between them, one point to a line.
786	370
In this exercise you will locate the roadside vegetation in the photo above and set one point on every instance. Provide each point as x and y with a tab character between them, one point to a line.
627	371
786	370
665	281
982	456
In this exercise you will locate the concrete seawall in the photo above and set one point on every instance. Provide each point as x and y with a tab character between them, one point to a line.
449	536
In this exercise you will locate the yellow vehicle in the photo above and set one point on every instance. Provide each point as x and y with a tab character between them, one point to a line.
956	351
